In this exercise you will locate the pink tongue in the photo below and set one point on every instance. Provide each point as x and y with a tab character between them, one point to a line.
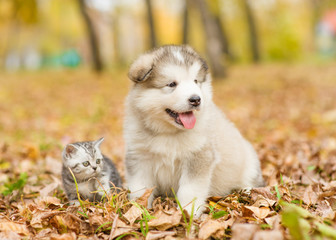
188	119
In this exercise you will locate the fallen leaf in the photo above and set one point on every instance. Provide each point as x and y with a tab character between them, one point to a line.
53	165
64	236
209	227
41	217
263	191
268	235
324	210
243	231
164	220
120	229
152	235
259	212
47	190
273	221
143	200
310	196
8	234
44	201
261	201
45	233
133	214
14	227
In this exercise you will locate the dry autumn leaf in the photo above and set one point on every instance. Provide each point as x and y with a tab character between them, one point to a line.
164	220
8	226
259	212
210	227
133	214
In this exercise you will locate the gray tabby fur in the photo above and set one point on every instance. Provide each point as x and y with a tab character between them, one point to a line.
89	178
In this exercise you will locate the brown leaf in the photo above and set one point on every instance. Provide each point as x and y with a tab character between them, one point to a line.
243	231
45	233
152	235
65	236
43	201
143	200
53	165
264	191
40	217
8	234
273	221
121	228
164	220
97	220
310	196
133	214
261	201
47	190
324	210
66	222
332	202
31	151
260	213
268	235
209	227
9	226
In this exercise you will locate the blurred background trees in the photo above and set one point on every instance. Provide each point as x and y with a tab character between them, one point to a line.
37	34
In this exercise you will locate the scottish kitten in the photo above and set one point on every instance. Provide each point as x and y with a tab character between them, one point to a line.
93	171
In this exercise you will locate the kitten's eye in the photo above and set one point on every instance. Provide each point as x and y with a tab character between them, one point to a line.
86	163
98	161
196	81
172	84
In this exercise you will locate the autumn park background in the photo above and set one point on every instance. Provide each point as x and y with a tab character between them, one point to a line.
63	78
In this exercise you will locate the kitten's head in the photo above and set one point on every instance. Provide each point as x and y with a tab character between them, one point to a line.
84	158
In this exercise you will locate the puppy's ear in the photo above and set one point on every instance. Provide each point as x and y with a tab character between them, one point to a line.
141	68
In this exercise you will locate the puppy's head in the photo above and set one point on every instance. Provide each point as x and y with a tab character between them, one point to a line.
172	86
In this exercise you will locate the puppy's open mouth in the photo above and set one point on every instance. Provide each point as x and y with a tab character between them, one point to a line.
186	119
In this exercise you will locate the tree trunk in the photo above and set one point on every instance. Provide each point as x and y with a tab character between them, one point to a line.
93	40
254	41
185	28
150	19
214	46
215	10
316	14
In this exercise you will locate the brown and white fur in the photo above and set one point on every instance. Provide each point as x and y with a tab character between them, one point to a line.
166	148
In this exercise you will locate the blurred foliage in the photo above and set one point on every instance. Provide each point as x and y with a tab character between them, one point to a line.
13	185
286	29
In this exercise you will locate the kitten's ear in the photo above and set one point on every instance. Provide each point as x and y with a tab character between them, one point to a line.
141	68
98	142
69	150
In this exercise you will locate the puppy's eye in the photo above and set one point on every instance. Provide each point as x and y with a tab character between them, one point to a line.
172	84
196	81
86	163
98	161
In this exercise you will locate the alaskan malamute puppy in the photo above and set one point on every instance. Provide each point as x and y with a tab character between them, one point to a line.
175	135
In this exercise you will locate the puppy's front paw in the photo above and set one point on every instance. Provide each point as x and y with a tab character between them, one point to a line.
74	203
197	212
142	195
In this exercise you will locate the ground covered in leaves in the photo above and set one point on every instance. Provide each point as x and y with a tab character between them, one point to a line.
287	112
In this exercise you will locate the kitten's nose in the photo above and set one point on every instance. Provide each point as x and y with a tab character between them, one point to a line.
94	168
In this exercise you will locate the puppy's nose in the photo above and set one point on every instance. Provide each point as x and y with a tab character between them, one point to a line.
195	100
